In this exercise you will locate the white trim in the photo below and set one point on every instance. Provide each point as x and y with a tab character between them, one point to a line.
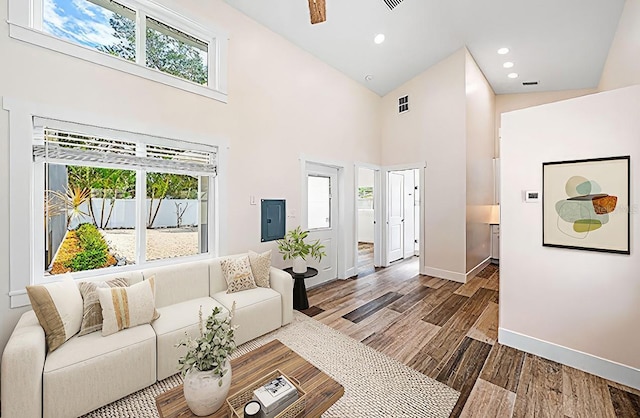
477	269
19	299
350	272
44	40
589	363
444	274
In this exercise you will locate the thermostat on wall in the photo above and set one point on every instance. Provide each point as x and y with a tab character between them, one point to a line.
531	196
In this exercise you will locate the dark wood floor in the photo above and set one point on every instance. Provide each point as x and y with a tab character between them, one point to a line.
449	331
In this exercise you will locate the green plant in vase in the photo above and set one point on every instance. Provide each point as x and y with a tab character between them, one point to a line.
293	247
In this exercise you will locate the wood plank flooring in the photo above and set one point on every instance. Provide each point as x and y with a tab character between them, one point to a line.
449	332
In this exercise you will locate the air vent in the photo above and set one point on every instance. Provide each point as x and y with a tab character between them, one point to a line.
392	3
403	104
529	83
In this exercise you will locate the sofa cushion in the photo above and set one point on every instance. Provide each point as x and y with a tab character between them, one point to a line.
260	266
237	273
88	372
180	282
92	311
127	307
58	307
258	311
175	323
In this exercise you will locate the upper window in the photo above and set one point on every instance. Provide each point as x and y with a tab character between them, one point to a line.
146	39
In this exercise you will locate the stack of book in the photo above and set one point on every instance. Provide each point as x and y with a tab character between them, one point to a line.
275	396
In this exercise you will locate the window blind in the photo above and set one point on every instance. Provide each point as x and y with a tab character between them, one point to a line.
63	146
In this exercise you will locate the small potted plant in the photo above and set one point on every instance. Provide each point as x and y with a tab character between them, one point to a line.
293	247
205	366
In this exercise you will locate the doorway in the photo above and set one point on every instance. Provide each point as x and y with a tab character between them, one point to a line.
322	218
403	214
366	220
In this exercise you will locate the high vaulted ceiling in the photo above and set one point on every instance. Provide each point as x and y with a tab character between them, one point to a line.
562	44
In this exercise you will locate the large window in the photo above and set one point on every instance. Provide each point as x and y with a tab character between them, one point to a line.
111	202
136	36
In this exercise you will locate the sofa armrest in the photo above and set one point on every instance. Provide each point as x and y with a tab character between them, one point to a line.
22	366
282	282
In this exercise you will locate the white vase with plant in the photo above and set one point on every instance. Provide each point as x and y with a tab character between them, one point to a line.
205	366
293	247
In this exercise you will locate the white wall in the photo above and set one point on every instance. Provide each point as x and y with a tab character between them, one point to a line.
622	67
276	92
434	131
580	308
510	102
480	111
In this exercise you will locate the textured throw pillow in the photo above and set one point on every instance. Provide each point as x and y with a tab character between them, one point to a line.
92	312
238	274
260	266
126	307
58	307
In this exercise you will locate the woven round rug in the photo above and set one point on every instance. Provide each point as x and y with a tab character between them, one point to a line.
375	385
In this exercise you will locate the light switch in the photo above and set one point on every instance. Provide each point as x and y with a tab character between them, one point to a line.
252	200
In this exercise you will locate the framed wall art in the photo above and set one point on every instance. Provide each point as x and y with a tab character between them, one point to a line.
585	204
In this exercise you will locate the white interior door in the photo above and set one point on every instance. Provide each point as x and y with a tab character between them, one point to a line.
395	244
322	219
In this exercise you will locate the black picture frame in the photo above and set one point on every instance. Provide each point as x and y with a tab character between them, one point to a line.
588	217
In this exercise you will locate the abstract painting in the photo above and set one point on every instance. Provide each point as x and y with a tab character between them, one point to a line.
585	204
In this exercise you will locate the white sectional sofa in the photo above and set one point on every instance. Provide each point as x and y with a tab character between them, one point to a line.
91	371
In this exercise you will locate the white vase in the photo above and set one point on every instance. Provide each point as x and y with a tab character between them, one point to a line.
203	393
299	265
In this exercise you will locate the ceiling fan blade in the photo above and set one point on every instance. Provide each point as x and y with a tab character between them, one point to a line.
318	11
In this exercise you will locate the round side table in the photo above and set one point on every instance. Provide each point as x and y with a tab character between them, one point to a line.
300	301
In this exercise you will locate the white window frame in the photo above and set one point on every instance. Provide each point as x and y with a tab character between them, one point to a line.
26	179
25	24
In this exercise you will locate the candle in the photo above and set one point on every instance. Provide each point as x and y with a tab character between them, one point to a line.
252	409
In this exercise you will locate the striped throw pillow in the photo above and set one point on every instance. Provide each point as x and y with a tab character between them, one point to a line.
58	307
92	312
127	307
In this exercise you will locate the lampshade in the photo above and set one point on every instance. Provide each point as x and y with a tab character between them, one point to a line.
494	217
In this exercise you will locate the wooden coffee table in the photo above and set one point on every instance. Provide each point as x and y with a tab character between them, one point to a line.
322	391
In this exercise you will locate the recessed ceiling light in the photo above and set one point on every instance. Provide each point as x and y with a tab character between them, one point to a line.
512	75
508	64
379	38
503	51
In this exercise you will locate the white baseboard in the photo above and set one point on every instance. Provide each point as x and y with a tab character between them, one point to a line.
589	363
350	273
477	269
445	274
455	276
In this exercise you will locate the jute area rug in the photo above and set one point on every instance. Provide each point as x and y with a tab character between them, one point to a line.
375	384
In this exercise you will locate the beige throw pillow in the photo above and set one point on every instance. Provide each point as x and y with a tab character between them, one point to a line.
238	274
92	312
127	307
58	307
260	266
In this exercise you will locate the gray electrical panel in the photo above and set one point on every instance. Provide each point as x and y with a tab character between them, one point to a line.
273	219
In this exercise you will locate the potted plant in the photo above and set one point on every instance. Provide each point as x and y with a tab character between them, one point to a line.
293	247
205	367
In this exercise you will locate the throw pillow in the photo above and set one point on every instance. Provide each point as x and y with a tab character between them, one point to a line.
127	307
238	274
260	266
58	307
92	312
